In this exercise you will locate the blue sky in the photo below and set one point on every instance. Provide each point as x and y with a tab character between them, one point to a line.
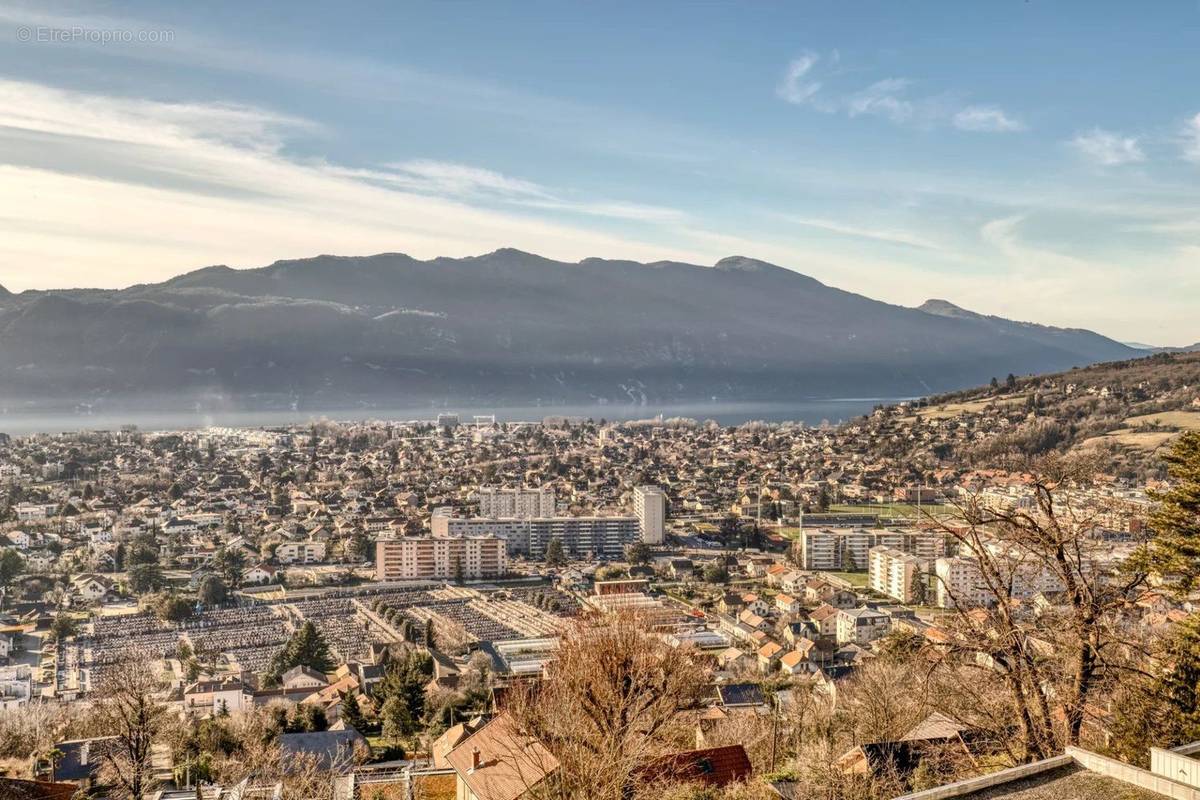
1036	160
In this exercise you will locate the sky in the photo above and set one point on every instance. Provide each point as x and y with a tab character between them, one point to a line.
1036	160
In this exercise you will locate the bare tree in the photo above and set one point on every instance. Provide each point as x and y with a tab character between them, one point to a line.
1052	663
128	708
610	704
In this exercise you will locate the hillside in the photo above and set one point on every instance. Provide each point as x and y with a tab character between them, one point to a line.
506	327
1129	411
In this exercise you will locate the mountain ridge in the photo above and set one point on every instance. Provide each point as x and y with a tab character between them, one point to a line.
507	327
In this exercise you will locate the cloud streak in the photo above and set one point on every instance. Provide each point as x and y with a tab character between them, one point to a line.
888	98
1108	149
986	119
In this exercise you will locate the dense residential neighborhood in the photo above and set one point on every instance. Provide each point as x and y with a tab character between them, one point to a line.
374	588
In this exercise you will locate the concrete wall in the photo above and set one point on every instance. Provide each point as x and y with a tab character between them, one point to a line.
993	779
1173	765
1135	776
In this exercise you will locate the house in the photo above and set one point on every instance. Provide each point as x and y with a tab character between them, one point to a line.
81	759
335	751
498	762
261	573
682	568
17	789
218	696
90	587
20	539
452	738
740	695
794	662
732	658
786	604
712	767
752	602
302	677
768	655
826	620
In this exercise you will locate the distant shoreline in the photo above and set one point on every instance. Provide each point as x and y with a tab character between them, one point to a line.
23	422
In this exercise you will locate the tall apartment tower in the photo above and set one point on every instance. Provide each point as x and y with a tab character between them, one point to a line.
524	503
650	507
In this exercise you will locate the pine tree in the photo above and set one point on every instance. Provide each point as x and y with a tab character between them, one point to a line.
555	557
306	647
352	712
920	588
1175	550
1163	711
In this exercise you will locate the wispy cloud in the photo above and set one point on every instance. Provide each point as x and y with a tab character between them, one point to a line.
883	98
889	98
212	184
1191	140
795	88
1108	149
986	119
859	232
477	184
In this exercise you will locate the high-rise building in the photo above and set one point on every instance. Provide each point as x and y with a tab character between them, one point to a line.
892	572
600	537
650	507
848	549
523	503
433	558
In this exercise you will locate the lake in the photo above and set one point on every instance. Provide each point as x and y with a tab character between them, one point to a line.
25	421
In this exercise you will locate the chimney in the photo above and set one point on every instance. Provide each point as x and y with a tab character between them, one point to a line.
475	759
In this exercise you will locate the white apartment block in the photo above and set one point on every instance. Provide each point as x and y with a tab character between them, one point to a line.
16	686
599	537
892	572
300	552
650	507
861	625
849	549
960	584
524	503
433	558
27	512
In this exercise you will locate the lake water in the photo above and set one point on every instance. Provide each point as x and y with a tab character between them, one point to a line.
24	421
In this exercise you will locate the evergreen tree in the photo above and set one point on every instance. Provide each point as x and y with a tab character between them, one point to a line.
1174	552
396	719
458	570
555	557
352	713
145	578
306	647
212	591
920	588
1163	711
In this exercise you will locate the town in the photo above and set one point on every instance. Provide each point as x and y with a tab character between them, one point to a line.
372	593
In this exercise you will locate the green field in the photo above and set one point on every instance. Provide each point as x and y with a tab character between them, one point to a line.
856	579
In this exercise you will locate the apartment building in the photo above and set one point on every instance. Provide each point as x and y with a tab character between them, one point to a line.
600	537
650	507
849	548
523	503
960	581
892	572
861	625
300	552
434	558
